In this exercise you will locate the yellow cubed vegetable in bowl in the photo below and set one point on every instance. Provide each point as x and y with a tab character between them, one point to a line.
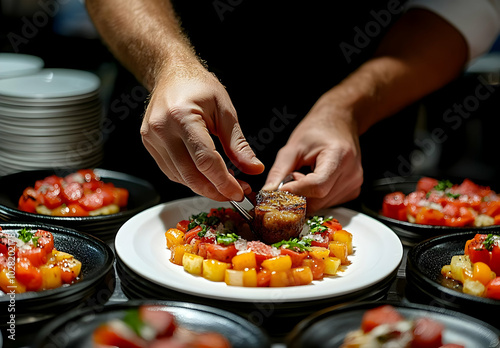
214	270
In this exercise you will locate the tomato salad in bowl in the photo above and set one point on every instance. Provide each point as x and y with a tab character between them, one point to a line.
218	246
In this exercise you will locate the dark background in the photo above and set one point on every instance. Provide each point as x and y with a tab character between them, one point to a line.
273	59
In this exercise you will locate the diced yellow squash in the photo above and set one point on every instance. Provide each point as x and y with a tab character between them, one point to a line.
332	265
278	263
446	271
473	287
51	277
214	270
72	265
250	277
174	237
281	279
244	260
339	250
344	237
8	282
319	252
302	275
177	253
61	255
461	267
192	263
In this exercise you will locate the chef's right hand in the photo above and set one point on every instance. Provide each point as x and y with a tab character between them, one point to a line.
187	105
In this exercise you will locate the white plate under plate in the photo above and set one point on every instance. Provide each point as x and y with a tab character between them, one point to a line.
50	83
15	64
140	244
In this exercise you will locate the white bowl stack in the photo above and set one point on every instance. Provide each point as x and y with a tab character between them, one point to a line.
50	119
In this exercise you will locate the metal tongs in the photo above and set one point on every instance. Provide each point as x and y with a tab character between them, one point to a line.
245	206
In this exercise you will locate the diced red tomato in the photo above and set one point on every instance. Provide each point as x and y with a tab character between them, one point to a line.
223	253
394	206
426	184
427	333
209	340
36	256
426	216
476	251
323	241
296	256
495	258
162	321
72	193
263	278
192	234
183	225
464	217
262	251
45	240
120	196
385	314
493	289
28	275
51	198
4	243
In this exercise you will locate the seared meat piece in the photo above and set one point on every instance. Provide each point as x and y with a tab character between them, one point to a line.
279	215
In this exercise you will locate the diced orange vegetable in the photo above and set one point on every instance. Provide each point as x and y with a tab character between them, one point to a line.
340	250
178	253
244	260
317	267
344	237
192	263
250	277
174	237
278	263
302	275
282	279
319	252
214	270
332	265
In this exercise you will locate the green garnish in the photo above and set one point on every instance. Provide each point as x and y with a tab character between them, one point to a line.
227	238
443	185
202	219
295	244
133	320
490	241
26	235
203	231
316	224
453	195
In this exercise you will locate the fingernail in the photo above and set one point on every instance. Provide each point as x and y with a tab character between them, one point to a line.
270	187
255	160
237	197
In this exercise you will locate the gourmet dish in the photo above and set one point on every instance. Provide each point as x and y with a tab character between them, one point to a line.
443	203
384	326
477	271
79	194
219	246
29	262
150	326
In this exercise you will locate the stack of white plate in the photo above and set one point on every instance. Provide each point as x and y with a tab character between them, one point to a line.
50	119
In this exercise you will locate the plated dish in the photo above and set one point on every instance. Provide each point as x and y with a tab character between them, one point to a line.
425	282
200	318
411	233
15	64
96	274
329	328
142	195
140	245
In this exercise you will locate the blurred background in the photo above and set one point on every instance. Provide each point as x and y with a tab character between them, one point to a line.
464	115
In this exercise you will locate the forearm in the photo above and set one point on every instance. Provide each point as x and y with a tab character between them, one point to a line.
419	55
143	34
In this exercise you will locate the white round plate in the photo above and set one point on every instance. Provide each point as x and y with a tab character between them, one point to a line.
140	244
15	64
50	83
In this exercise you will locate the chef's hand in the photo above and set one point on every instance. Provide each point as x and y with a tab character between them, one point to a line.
327	141
185	108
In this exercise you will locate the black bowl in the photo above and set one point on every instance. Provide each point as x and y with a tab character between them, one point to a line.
96	285
410	233
76	328
328	328
425	284
142	195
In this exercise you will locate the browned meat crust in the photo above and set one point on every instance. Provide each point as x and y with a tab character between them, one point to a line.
279	215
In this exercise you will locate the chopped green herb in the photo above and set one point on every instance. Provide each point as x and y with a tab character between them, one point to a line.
25	235
490	241
453	195
133	320
203	231
202	219
295	244
443	185
316	224
227	238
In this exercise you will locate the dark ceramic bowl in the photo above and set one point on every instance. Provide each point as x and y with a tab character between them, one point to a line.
97	277
328	328
425	284
371	204
76	328
142	195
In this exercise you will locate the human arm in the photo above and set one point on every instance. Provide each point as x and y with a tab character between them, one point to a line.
419	54
187	102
